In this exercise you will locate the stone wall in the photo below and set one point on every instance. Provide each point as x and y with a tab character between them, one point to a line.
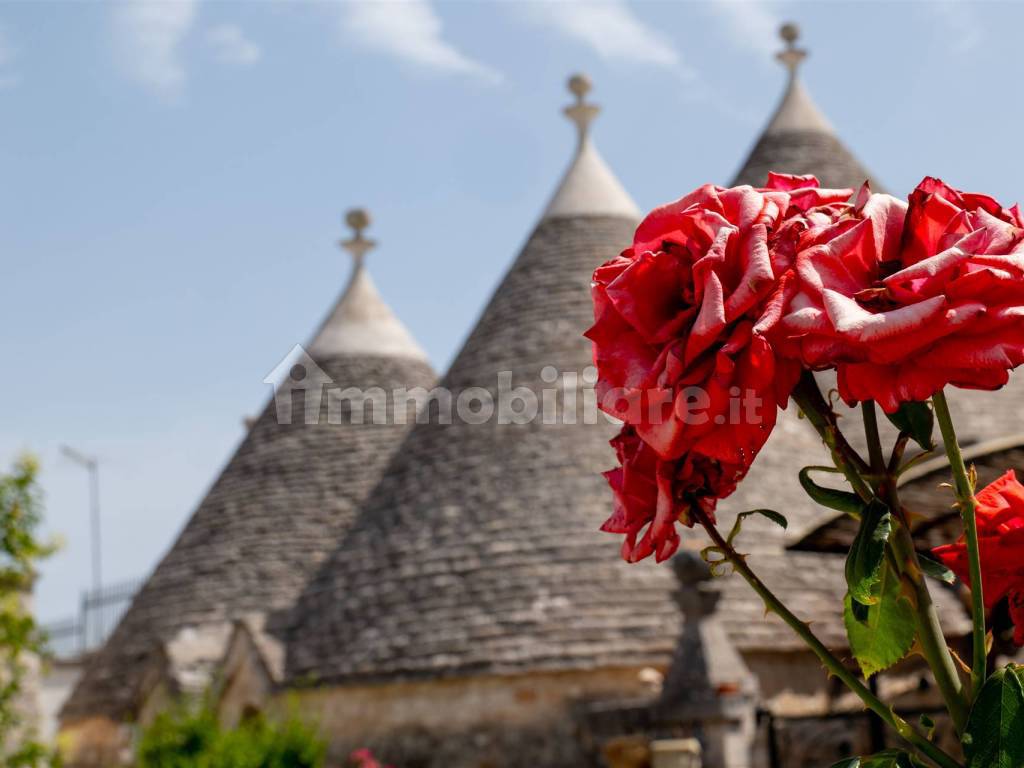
481	722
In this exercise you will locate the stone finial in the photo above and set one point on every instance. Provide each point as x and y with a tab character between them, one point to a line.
791	56
358	219
694	596
581	113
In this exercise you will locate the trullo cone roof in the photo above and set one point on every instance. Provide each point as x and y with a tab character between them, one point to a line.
278	506
479	553
799	138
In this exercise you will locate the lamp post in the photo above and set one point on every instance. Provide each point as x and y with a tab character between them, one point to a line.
92	466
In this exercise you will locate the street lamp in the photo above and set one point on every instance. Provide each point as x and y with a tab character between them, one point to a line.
92	466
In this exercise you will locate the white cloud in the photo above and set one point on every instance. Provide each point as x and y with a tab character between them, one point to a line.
149	35
232	46
752	24
410	31
8	78
610	28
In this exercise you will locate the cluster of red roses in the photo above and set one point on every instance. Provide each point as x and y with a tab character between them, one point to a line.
727	295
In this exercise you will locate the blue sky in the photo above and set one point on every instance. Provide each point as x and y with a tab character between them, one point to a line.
174	176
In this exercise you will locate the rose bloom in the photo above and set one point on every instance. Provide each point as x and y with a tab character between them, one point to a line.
681	338
651	494
904	299
680	316
1000	518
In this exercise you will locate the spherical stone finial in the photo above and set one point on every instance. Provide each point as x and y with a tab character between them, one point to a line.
358	219
581	113
790	33
791	56
580	86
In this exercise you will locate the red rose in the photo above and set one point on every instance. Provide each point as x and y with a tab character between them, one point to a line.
1000	518
903	300
680	322
651	494
683	322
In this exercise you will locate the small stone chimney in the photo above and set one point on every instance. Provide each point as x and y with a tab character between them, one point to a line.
708	683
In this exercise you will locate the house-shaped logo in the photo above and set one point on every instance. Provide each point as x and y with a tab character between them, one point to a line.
298	372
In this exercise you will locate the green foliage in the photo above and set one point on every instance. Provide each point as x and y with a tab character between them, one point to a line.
178	738
20	636
867	553
841	501
890	758
994	737
883	632
936	570
716	558
190	737
916	420
777	518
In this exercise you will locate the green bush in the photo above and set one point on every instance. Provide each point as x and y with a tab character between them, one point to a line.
191	738
20	636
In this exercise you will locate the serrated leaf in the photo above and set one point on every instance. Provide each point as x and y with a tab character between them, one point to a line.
890	758
886	633
841	501
994	737
867	553
917	420
936	570
771	514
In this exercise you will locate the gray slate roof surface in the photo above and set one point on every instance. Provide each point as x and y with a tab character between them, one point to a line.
802	152
480	552
265	524
799	139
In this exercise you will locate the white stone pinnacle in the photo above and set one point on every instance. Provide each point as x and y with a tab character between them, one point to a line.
588	188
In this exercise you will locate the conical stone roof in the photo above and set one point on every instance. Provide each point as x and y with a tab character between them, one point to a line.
279	504
479	552
799	139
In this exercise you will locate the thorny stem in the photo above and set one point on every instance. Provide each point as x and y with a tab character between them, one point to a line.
813	406
827	658
929	631
871	432
930	636
968	510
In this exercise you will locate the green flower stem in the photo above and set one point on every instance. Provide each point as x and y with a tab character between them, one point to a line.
820	414
929	631
827	658
871	431
968	510
931	639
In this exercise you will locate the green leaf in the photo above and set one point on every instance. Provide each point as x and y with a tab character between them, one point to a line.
890	758
994	737
842	501
771	514
917	420
867	552
886	632
936	570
